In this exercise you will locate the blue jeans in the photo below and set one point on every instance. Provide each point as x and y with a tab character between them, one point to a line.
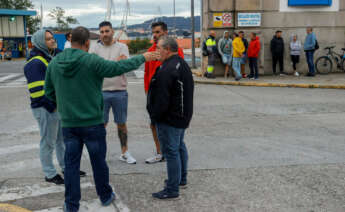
310	60
175	151
51	138
118	101
227	59
94	137
236	65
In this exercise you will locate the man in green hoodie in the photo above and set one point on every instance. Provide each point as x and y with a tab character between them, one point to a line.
74	81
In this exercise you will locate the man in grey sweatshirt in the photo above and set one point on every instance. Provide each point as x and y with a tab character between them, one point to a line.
225	50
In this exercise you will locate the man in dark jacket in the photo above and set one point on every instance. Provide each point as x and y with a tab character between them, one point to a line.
277	50
170	105
245	54
43	109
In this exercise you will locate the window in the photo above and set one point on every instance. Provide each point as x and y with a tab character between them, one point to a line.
310	2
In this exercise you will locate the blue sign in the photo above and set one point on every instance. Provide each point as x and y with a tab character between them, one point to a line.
310	2
249	19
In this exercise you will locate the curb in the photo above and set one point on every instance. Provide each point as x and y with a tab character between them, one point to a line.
12	208
264	84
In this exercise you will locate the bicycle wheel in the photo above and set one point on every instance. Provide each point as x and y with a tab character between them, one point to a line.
323	65
343	64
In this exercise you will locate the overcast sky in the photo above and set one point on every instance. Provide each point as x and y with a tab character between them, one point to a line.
91	12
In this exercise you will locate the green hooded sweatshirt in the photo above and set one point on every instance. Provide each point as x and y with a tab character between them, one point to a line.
74	81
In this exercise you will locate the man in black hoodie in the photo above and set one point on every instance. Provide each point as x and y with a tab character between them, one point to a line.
277	50
170	105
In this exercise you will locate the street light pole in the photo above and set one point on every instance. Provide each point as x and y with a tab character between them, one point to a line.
193	34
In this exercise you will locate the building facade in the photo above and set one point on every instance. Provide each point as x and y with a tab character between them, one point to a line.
327	17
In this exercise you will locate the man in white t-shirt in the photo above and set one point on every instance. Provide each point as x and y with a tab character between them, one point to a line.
114	89
68	37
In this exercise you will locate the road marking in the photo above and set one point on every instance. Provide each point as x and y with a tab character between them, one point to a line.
8	194
18	148
22	165
120	205
19	81
12	208
94	206
138	82
10	76
13	86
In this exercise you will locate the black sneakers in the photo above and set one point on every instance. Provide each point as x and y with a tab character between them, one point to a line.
165	195
310	74
58	180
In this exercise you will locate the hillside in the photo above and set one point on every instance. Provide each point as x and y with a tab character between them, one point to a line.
181	23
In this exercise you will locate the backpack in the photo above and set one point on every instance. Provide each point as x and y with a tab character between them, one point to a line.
204	49
316	45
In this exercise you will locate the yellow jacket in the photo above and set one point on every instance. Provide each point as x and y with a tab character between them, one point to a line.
238	47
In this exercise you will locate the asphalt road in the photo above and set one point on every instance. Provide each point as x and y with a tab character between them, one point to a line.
251	149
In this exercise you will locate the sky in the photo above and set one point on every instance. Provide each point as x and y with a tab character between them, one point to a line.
90	13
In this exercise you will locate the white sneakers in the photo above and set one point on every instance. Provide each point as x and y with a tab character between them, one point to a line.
296	74
127	157
155	159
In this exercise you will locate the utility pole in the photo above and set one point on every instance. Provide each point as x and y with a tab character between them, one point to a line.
41	23
108	13
193	34
174	25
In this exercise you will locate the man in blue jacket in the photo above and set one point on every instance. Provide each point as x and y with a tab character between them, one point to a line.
309	48
43	109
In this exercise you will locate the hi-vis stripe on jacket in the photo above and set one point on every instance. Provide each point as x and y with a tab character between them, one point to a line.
36	87
35	72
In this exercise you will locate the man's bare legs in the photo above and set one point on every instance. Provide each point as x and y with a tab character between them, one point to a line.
123	137
158	157
155	138
226	71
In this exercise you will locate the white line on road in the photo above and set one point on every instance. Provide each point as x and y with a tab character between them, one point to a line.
18	148
31	164
10	76
13	86
90	206
94	206
20	81
137	82
7	194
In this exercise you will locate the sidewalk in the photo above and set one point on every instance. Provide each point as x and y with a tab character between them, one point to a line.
330	81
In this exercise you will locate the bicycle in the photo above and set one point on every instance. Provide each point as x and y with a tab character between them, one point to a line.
324	64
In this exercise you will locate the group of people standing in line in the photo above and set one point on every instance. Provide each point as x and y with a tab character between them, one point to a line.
235	50
73	91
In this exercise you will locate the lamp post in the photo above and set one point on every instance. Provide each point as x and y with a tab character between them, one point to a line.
193	34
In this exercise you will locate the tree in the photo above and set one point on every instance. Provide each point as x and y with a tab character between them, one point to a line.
138	45
32	22
62	21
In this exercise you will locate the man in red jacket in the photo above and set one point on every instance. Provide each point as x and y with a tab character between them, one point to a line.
253	54
159	29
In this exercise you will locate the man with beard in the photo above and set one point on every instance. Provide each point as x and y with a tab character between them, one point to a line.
159	29
115	93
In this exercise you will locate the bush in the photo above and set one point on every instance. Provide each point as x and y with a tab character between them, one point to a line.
138	45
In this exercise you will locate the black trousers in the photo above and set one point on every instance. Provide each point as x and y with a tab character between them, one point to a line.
295	60
276	59
253	65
